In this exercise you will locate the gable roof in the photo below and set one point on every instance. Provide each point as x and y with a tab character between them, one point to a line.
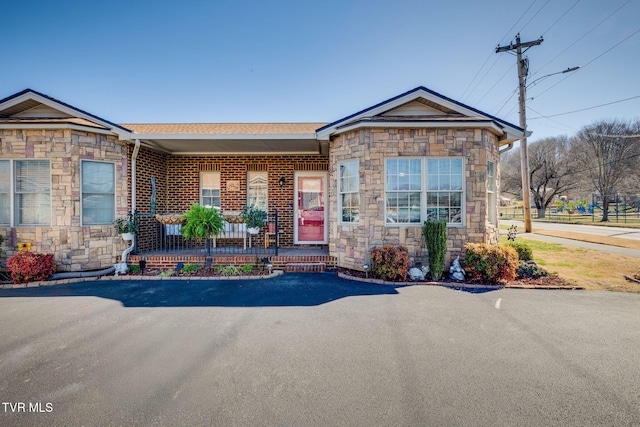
17	104
224	128
448	110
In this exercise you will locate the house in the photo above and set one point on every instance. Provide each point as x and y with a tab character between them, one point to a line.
359	182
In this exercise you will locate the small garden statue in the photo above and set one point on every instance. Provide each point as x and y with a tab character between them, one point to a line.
456	272
418	273
512	233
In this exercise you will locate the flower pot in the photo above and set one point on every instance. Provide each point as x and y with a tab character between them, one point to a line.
127	236
253	230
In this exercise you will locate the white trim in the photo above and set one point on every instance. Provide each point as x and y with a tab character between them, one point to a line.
414	124
11	194
326	133
115	190
325	200
22	125
215	136
122	134
233	153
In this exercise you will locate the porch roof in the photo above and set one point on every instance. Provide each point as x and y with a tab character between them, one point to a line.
229	138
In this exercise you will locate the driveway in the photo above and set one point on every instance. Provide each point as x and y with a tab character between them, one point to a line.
313	349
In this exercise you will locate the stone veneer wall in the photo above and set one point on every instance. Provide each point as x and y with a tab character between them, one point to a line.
75	247
352	244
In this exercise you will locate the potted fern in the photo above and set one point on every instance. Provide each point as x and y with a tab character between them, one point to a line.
202	222
254	218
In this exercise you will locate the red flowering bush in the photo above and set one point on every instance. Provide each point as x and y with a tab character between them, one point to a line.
487	263
31	266
390	262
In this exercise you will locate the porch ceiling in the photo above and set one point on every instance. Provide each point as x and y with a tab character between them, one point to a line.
226	144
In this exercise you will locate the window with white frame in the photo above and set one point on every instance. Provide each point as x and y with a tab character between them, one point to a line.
349	192
491	193
5	192
403	191
444	189
98	192
257	190
210	189
32	192
417	189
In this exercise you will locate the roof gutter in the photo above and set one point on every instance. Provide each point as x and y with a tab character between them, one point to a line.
134	161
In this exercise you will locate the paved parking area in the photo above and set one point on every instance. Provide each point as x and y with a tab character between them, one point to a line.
312	349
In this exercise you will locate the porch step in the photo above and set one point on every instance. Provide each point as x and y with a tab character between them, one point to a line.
305	267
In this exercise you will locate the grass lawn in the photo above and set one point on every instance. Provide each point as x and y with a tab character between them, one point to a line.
590	269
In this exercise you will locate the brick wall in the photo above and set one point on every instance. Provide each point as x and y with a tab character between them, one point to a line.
352	244
181	182
75	247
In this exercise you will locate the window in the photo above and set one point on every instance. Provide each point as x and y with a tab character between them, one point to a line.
444	189
491	193
32	189
417	189
5	192
349	196
98	192
257	190
210	189
403	191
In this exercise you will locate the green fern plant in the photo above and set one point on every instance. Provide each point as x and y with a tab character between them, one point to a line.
202	222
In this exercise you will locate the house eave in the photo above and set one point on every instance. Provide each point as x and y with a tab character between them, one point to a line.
70	126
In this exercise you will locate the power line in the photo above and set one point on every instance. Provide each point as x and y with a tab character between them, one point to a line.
494	85
561	16
583	36
542	116
594	59
536	14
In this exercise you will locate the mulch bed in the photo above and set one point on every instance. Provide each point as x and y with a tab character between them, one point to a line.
549	281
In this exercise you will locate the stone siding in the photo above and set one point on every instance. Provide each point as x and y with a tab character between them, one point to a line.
74	246
352	244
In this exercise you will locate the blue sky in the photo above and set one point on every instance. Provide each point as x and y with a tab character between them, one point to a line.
296	61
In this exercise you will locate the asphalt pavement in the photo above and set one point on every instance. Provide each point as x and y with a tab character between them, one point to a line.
314	349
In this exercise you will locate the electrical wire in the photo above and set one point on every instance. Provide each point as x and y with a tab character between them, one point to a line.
536	14
542	116
590	62
561	16
495	84
581	37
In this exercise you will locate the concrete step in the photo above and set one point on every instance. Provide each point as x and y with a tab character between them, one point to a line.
305	267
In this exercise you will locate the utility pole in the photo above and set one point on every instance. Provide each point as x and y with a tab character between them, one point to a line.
523	71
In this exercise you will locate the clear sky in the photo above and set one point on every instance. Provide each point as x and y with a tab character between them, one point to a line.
141	61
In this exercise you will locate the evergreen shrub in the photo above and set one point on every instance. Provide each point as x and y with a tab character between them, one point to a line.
491	264
435	236
27	267
390	263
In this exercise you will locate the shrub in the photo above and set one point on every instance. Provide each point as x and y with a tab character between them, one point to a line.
134	268
532	271
487	263
1	240
190	268
390	262
524	250
435	236
167	273
230	270
247	268
31	266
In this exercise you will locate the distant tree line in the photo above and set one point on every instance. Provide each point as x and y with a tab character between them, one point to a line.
603	157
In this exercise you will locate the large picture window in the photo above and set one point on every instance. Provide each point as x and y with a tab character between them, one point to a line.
98	192
349	197
32	192
257	190
210	189
417	189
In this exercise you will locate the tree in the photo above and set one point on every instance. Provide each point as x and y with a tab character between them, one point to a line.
550	172
607	152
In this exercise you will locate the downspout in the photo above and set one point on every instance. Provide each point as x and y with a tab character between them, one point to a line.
122	267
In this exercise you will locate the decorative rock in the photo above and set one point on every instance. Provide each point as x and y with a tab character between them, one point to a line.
456	272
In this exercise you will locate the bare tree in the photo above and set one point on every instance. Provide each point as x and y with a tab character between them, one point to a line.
607	152
550	171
